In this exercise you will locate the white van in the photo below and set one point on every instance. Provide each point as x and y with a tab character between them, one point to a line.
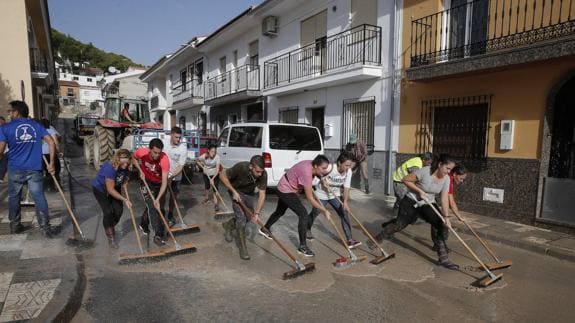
282	145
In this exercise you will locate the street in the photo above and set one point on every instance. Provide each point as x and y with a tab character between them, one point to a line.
214	284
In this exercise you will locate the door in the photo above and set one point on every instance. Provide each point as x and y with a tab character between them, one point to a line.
467	27
317	120
313	32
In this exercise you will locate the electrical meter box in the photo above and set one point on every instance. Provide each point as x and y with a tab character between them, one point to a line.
507	132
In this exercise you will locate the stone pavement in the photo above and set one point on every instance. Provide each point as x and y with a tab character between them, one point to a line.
39	277
534	239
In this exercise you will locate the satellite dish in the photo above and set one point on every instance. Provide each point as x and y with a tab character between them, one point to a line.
112	69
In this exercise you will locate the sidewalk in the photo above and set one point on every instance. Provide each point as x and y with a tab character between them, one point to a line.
534	239
39	278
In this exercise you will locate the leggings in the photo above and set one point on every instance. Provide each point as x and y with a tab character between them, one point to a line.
111	208
293	202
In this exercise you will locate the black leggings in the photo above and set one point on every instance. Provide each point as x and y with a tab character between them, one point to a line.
111	208
293	202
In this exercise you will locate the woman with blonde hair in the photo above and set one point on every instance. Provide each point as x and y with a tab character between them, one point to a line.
107	187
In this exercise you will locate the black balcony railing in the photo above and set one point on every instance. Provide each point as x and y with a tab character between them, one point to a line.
484	26
38	61
243	78
359	45
191	88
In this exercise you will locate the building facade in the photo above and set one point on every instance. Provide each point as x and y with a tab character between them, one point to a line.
491	83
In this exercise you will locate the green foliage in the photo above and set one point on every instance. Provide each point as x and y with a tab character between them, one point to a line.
76	51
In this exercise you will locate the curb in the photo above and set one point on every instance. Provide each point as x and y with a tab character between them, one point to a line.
74	299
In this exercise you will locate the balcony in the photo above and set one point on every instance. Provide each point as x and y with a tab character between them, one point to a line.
350	56
489	34
188	94
38	64
235	85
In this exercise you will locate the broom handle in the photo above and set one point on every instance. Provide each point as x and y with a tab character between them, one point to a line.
357	221
258	222
218	196
65	201
157	209
341	237
483	243
175	203
134	220
460	240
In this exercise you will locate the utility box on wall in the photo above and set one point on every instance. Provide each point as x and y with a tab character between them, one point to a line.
507	133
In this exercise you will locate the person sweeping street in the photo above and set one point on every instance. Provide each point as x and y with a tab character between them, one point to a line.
408	167
299	177
107	187
338	183
424	184
244	181
154	166
178	153
210	164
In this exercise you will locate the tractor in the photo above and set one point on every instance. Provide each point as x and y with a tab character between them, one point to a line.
112	129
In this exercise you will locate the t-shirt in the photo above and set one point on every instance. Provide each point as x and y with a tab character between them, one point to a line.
45	147
297	178
177	155
242	179
430	184
152	169
24	137
335	181
210	164
107	171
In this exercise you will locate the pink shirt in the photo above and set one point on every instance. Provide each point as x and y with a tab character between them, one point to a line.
297	178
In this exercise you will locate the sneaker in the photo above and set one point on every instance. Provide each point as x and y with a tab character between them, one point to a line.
145	231
305	251
309	237
159	241
171	223
353	243
265	232
48	232
17	228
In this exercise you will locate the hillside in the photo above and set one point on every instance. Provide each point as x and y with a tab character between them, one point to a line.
75	51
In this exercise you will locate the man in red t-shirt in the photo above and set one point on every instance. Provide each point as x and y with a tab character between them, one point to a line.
154	166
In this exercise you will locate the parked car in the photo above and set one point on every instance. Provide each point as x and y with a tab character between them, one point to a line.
281	145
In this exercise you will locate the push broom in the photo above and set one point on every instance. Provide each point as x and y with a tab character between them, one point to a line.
300	267
344	261
384	255
491	277
74	241
184	228
498	264
219	214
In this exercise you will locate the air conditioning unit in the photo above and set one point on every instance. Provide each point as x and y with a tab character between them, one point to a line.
270	26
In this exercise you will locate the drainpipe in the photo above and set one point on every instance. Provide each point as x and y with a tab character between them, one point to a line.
394	104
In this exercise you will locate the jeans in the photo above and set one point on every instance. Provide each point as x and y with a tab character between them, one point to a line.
338	207
151	214
240	214
293	202
35	181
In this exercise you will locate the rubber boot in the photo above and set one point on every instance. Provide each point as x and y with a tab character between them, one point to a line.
366	186
229	226
443	258
111	234
241	231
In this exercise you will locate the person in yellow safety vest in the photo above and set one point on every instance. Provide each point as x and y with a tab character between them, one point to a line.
408	167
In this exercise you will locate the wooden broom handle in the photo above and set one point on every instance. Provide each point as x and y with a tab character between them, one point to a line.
460	218
133	220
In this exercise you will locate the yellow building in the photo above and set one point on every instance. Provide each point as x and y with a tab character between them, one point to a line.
492	82
26	61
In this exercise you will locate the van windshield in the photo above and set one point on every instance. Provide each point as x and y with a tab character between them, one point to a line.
294	138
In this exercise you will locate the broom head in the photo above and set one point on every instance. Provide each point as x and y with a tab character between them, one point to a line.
298	272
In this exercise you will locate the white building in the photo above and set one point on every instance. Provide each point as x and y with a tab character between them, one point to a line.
90	90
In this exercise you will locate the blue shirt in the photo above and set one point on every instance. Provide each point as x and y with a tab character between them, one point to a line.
24	137
107	171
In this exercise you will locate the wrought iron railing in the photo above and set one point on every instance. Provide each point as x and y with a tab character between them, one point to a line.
183	91
358	45
483	26
243	78
38	61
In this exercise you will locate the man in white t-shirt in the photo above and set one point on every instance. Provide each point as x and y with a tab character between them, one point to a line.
178	153
338	181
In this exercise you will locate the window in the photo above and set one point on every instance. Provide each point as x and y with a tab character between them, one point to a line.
222	65
363	12
289	115
223	139
183	123
456	126
294	138
89	79
250	137
235	59
199	70
313	28
70	91
183	79
359	116
254	53
75	78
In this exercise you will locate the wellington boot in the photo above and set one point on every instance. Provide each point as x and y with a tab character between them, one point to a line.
229	226
241	231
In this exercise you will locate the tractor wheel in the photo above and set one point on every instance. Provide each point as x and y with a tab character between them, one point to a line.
104	143
88	149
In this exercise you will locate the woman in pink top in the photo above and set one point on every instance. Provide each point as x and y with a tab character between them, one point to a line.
296	179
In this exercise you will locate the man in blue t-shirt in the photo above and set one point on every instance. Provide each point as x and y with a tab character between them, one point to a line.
24	139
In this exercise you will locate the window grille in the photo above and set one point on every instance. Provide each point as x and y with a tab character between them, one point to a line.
358	118
289	115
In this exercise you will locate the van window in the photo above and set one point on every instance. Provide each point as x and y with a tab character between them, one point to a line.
223	139
294	138
246	137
